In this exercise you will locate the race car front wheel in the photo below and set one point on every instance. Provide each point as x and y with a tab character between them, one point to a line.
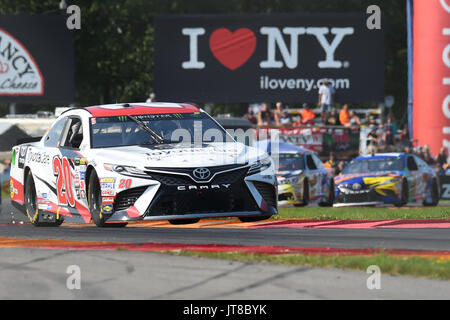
434	194
95	204
330	199
95	200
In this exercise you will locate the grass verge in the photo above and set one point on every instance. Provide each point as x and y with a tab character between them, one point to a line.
430	267
358	213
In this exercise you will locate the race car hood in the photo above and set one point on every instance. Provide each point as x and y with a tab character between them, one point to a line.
175	155
369	179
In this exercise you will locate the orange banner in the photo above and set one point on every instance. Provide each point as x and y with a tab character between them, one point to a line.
431	74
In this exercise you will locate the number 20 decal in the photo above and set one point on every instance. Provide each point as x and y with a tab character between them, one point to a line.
61	169
125	183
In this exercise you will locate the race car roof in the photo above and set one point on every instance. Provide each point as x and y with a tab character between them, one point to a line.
283	147
123	109
379	156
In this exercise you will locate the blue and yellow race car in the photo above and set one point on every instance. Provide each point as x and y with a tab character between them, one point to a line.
386	178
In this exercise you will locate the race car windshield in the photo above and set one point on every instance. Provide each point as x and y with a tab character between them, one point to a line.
155	129
291	162
374	165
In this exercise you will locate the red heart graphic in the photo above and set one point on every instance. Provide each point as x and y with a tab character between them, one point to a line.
232	49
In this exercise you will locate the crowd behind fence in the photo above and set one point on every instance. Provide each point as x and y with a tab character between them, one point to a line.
379	134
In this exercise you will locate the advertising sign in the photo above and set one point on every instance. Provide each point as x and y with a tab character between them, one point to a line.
431	73
36	59
267	57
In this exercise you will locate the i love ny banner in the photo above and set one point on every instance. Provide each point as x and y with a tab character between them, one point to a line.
267	57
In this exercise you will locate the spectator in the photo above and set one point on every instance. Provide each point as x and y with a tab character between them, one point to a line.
264	116
151	98
298	121
390	121
331	163
326	99
372	141
419	152
354	119
427	156
344	116
442	157
307	115
251	117
340	167
372	121
381	133
441	160
333	119
284	120
278	113
404	138
389	139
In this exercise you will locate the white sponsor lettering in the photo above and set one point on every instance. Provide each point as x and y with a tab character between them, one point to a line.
193	62
289	52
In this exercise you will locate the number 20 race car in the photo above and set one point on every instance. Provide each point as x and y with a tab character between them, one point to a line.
126	162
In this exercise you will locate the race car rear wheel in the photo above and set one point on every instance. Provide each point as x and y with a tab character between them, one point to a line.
31	206
404	194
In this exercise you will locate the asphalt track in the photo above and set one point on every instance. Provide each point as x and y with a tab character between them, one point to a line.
29	273
14	224
417	239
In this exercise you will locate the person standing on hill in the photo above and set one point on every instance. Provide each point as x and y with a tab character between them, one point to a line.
326	99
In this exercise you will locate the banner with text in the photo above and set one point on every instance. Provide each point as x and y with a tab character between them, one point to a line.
36	59
431	74
267	57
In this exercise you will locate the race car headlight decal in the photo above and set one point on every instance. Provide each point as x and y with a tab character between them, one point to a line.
259	165
124	169
392	185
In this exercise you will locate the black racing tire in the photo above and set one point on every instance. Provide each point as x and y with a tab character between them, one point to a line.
405	194
254	219
95	200
95	204
434	195
330	199
305	199
183	221
31	206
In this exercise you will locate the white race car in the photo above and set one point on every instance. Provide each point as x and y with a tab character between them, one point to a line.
138	161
